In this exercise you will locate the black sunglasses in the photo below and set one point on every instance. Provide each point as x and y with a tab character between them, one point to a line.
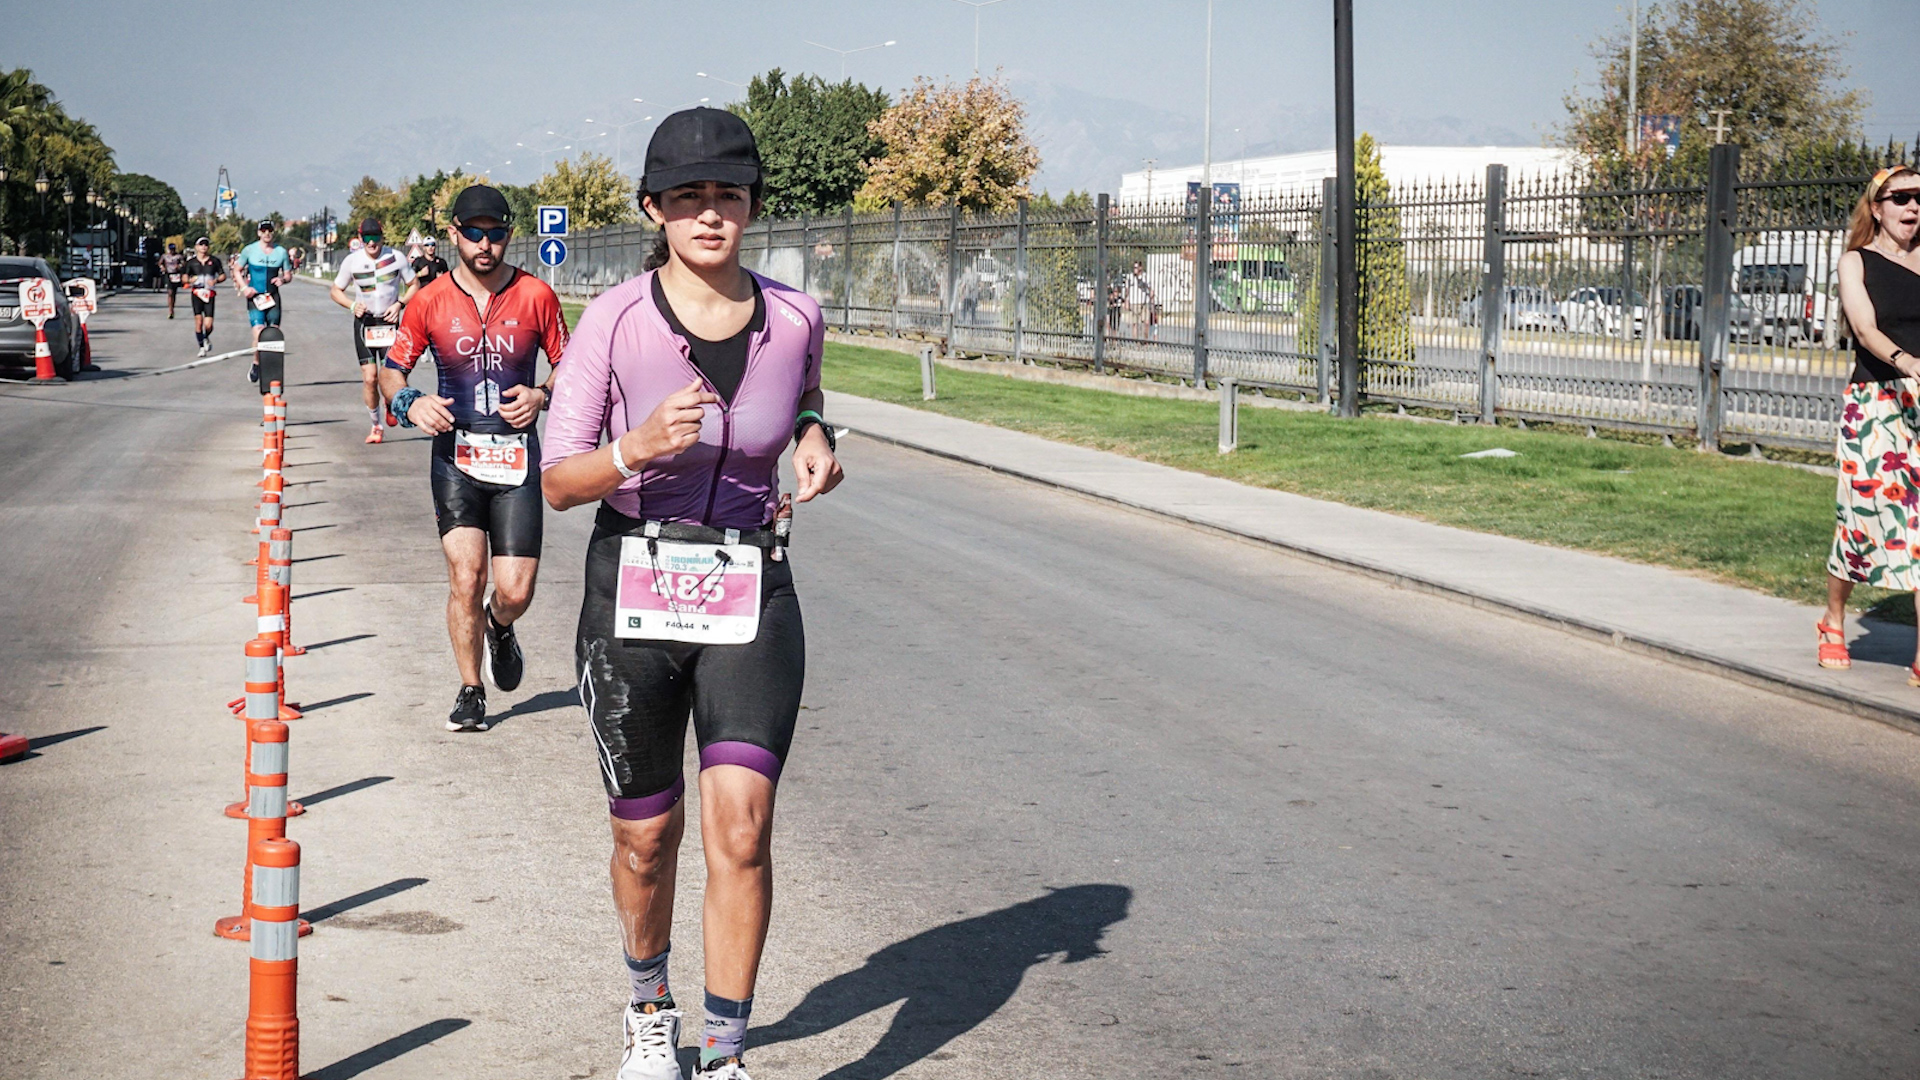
1902	197
496	235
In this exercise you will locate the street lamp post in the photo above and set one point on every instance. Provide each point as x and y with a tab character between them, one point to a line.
67	248
619	133
976	5
3	205
40	189
718	79
844	53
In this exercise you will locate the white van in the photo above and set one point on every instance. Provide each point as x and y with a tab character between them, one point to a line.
1788	278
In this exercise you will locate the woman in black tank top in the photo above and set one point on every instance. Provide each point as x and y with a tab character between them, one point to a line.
1877	508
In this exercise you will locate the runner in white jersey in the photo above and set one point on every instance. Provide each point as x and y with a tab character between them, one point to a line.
370	285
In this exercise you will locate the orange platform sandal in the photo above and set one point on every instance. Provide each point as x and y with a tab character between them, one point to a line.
1833	654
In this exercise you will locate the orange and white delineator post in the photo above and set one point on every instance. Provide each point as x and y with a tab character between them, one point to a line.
273	962
12	746
280	571
272	624
262	701
266	813
269	518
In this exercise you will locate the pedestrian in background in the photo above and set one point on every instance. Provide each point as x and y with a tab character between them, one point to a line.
1877	509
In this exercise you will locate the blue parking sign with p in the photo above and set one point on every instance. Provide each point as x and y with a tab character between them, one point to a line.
550	221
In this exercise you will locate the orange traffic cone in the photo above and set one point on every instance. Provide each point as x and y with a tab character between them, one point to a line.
266	816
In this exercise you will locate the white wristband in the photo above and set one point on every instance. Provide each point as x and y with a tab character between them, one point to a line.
619	462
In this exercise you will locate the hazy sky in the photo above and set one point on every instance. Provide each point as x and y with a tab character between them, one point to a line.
300	99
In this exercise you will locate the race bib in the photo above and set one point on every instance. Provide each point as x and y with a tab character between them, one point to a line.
203	295
491	459
377	335
176	278
264	301
707	594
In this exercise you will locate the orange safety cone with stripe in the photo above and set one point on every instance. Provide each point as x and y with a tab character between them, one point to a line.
273	964
272	624
262	701
42	356
259	562
266	815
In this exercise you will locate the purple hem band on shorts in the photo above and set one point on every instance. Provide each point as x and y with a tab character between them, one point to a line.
648	806
746	755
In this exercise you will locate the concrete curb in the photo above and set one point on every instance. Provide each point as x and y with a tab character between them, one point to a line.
1687	656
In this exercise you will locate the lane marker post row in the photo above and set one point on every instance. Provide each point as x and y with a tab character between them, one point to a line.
269	918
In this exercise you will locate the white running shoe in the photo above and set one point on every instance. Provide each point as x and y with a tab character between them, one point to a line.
725	1069
653	1040
204	350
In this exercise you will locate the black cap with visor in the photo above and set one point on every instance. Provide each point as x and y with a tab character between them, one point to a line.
700	144
481	201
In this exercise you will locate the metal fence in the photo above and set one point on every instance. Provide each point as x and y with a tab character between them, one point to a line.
1541	298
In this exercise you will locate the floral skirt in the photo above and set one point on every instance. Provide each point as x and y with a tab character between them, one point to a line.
1877	509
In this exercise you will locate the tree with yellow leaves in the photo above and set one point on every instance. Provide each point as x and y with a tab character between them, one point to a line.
949	144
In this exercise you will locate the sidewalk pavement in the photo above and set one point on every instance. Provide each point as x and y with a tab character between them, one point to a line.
1744	635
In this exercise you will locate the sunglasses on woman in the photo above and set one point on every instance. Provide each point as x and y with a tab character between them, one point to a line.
495	235
1902	197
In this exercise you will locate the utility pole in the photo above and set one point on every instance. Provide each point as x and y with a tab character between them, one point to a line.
1348	270
1633	78
1150	162
1206	136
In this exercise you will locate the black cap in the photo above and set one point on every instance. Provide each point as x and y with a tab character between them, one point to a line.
264	225
701	144
481	201
203	240
371	225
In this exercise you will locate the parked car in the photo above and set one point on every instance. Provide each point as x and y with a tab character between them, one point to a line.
1789	279
1685	307
1528	308
16	333
1596	309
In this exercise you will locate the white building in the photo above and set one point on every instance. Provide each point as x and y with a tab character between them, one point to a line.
1287	174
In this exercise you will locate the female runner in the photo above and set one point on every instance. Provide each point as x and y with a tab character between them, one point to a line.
700	373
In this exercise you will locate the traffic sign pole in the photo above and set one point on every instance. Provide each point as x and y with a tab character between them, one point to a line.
37	306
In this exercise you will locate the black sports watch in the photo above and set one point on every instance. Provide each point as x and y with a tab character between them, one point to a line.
811	417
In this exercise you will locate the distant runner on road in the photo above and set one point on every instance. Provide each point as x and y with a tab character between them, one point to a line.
172	265
382	282
428	264
487	323
700	374
264	267
204	272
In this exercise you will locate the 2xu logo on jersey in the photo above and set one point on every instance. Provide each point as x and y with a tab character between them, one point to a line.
486	352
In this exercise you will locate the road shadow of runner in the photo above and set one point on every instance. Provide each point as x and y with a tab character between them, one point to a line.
952	977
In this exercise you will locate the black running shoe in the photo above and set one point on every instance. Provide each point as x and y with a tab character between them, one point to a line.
469	710
253	373
505	662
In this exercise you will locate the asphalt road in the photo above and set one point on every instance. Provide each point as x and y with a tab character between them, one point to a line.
1077	793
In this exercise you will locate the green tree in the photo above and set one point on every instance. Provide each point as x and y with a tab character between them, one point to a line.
814	139
1386	296
591	188
37	136
225	238
155	200
950	144
1763	61
372	199
1386	299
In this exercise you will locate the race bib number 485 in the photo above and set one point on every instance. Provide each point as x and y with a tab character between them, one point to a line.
491	459
708	594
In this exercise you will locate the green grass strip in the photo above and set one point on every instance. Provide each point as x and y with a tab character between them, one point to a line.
1758	526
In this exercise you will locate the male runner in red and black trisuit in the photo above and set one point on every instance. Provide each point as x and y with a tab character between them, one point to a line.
487	323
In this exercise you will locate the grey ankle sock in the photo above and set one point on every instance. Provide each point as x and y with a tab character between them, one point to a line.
649	978
726	1029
